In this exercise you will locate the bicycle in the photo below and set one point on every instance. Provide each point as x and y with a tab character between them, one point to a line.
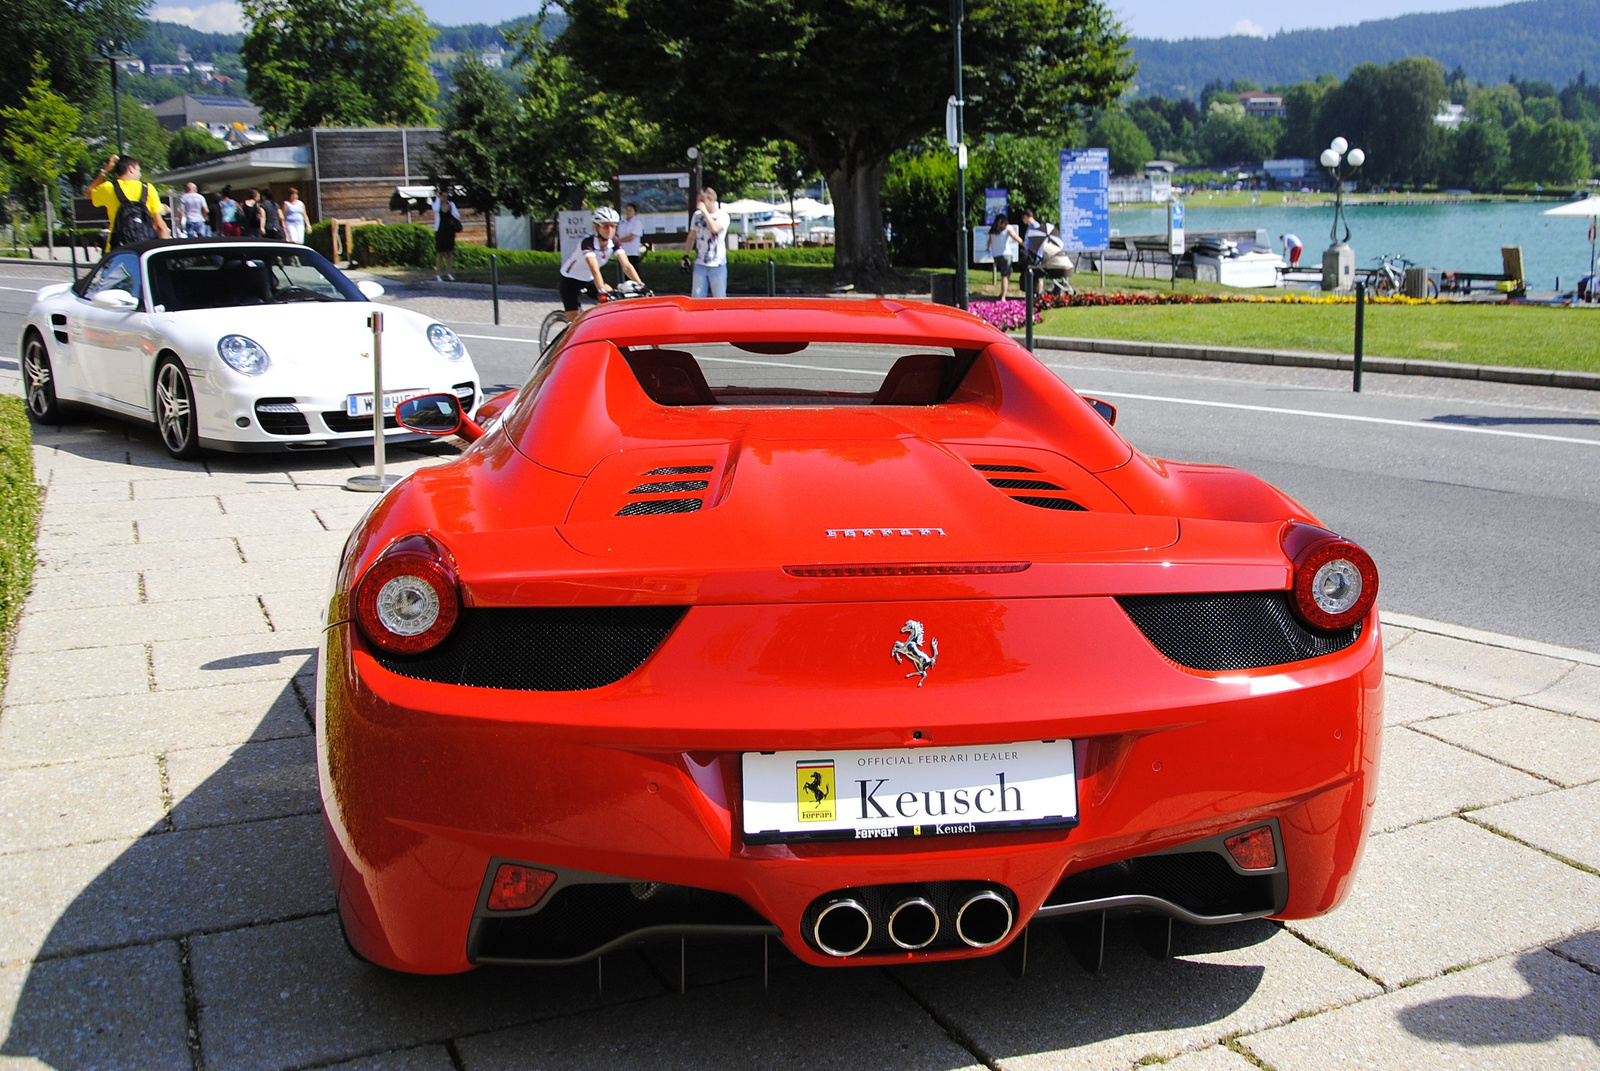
1389	278
556	322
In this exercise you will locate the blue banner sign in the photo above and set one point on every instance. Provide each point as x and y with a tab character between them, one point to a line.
1085	199
994	203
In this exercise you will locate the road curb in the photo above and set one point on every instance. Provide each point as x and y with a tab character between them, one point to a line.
1489	639
1536	377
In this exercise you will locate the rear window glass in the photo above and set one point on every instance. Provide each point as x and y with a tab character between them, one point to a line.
795	373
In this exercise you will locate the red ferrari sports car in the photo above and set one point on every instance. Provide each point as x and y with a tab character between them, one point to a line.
884	649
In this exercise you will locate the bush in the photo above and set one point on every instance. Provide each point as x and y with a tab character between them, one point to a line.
403	245
476	257
319	236
19	516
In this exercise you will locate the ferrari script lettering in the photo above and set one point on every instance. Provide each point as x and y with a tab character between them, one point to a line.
852	533
1003	799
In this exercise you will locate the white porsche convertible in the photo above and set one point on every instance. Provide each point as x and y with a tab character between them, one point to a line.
232	344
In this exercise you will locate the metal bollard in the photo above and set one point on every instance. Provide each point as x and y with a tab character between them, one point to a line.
772	278
494	285
1361	310
378	481
1027	306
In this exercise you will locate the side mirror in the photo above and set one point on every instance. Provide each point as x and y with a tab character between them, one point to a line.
1107	411
436	414
115	301
369	289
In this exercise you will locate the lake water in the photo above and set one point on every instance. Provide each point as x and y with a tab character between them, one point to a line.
1463	237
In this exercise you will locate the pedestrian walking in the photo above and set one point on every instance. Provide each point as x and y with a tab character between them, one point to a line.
446	225
192	207
294	217
250	215
1292	246
126	188
1004	243
228	213
630	233
708	240
271	217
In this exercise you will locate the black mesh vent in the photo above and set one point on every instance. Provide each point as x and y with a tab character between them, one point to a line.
542	649
1201	882
338	420
278	416
667	487
1046	503
1237	630
1026	485
679	470
1004	468
580	920
659	505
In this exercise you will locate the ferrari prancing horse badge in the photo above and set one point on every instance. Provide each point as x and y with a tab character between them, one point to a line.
911	648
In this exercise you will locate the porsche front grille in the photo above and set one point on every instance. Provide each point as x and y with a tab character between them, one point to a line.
542	649
1233	630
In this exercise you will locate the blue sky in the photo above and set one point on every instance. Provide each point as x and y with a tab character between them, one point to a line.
1144	18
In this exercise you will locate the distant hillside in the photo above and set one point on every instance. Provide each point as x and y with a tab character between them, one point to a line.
1548	40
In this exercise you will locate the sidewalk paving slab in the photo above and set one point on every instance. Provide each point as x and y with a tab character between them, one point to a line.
1560	747
1576	693
1472	667
65	591
1420	778
1406	701
78	802
213	551
45	676
290	994
1529	1011
148	723
421	1058
1221	981
1583	949
66	630
270	656
217	786
1447	894
120	1009
1565	822
1215	1058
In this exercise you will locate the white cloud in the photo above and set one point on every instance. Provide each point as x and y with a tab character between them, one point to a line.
1242	28
223	16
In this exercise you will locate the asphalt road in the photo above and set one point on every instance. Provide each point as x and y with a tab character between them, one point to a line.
1480	502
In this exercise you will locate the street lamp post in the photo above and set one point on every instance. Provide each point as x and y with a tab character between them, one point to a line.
1339	260
958	106
696	163
111	50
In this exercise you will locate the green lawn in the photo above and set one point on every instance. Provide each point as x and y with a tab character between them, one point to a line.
1529	336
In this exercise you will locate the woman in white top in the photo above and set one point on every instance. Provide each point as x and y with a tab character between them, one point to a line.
630	233
444	236
1004	243
294	218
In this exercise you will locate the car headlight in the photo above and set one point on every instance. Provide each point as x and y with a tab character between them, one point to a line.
242	354
446	342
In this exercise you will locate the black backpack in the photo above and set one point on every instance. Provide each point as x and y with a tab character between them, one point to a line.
133	223
271	228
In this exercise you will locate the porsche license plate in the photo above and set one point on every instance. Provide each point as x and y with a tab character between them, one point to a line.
913	792
361	404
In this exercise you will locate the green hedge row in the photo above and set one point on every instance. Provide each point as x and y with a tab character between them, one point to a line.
398	245
319	236
19	516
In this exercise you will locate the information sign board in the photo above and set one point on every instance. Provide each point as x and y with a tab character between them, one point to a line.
663	198
1085	199
994	203
1175	228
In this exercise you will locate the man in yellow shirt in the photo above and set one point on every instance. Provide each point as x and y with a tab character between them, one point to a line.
128	176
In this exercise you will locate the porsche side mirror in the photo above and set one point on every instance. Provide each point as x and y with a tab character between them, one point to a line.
369	289
436	414
115	301
1105	409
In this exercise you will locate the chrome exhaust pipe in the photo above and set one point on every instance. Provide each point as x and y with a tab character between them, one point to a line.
984	919
843	928
913	924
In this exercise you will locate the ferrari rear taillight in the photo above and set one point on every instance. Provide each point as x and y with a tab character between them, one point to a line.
1335	581
1253	849
409	599
517	888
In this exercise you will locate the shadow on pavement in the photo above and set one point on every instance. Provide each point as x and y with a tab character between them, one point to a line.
1564	1002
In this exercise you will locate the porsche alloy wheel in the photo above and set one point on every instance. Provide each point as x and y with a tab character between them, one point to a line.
175	416
40	382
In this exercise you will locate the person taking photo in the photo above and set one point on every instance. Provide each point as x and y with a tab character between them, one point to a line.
708	241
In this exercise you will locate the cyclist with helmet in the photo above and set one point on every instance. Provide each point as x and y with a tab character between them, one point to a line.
580	271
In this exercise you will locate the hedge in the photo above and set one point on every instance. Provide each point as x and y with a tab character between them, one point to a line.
395	244
319	236
19	517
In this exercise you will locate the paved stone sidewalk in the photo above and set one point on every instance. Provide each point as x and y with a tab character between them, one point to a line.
164	898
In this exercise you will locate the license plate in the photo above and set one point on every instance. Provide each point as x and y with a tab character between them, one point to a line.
361	404
913	792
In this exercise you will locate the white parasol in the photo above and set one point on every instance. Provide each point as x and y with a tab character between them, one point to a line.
1590	207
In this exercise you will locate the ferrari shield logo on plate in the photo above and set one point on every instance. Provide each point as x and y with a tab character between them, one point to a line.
912	792
814	797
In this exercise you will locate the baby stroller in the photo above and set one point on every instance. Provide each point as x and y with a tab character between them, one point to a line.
1048	257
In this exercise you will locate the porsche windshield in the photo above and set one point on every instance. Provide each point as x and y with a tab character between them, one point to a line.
220	278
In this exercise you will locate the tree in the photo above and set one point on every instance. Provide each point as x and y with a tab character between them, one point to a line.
341	62
1300	104
1521	137
474	152
65	33
40	141
1497	104
1407	142
1560	153
849	83
1481	156
190	144
1130	150
1229	136
142	136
